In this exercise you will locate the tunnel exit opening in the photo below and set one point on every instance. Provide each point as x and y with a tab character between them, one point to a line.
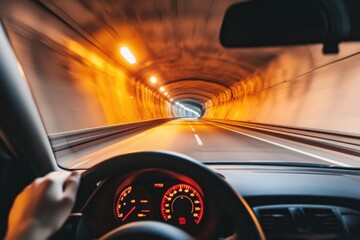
187	108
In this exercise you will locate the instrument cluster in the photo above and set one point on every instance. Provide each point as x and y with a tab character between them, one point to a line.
161	196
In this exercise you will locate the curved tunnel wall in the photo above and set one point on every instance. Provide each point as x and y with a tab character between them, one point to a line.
77	83
300	88
89	93
74	86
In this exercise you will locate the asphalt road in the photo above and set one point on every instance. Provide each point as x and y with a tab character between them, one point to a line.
214	143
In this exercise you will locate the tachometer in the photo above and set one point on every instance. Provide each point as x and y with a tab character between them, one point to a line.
132	204
182	205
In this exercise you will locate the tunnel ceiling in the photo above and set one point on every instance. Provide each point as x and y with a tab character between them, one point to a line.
176	41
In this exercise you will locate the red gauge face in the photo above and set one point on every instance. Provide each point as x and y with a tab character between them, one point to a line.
182	205
132	204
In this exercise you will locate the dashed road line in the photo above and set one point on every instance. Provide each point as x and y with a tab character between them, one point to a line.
198	140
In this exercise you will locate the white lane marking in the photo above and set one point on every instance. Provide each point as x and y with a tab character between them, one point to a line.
289	148
143	134
198	140
80	164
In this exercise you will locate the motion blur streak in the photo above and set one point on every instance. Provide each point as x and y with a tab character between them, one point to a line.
128	55
119	97
75	86
299	88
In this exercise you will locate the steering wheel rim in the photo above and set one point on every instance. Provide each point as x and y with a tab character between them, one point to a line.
150	230
244	219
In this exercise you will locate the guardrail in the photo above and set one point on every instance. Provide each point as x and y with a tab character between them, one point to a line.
336	141
85	138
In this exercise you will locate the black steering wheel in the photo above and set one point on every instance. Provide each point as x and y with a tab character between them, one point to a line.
245	222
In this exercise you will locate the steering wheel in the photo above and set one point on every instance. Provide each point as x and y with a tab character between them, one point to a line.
245	222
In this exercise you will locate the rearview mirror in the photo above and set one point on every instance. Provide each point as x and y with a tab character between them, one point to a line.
294	22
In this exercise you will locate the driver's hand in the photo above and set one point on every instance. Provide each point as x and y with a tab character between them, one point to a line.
43	206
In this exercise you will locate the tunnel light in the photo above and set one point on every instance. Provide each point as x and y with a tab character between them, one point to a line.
166	93
171	100
125	52
153	80
162	89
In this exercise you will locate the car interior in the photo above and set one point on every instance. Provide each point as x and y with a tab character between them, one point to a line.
213	119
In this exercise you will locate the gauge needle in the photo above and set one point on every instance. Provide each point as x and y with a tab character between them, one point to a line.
131	210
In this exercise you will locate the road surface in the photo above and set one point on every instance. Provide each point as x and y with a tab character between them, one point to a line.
208	142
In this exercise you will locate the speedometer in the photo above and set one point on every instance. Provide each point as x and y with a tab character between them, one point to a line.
133	204
182	205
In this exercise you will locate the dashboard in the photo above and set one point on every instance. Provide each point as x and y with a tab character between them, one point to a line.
300	202
151	194
289	202
161	196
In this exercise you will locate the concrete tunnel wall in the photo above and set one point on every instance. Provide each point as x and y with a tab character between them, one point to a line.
77	86
300	88
74	87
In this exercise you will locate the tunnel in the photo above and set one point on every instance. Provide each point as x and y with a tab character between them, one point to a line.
134	118
100	63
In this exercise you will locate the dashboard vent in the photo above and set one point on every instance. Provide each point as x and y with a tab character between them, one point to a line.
296	222
276	220
322	220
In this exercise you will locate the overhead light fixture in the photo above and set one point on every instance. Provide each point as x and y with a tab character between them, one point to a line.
171	100
166	93
153	80
162	89
125	52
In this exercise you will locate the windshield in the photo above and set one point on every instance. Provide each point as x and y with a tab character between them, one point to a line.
112	77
